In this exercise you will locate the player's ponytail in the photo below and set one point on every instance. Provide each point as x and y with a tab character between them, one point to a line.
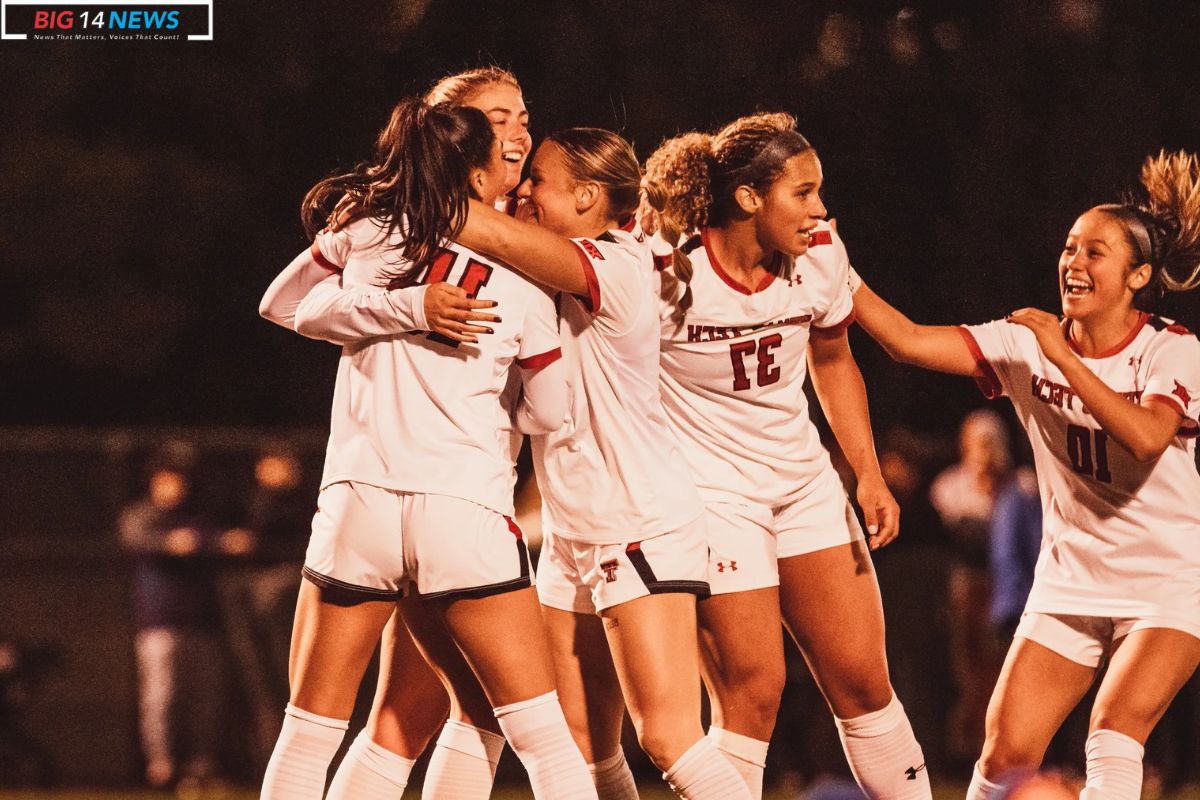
418	181
1164	231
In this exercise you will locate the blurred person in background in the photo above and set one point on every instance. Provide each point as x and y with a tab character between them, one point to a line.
964	495
1013	546
176	612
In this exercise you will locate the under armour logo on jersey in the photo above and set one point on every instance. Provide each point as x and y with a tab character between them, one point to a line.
795	279
591	249
911	772
722	566
610	570
1182	393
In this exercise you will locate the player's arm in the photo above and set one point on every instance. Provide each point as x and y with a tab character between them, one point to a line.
843	397
544	256
293	284
1145	429
937	347
543	404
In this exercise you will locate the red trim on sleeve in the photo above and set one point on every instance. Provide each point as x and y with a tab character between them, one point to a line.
513	527
986	377
819	238
540	360
1169	399
589	274
321	260
835	330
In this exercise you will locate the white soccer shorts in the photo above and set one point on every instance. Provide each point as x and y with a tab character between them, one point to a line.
372	542
746	541
588	578
1089	640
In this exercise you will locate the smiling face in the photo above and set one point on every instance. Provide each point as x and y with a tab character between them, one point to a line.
551	192
1096	271
791	208
505	109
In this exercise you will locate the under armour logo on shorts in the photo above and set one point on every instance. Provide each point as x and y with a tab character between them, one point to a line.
722	566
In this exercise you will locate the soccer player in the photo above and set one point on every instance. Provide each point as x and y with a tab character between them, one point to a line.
419	471
1110	396
754	295
410	703
625	552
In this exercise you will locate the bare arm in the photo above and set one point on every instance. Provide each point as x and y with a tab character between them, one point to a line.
543	256
936	347
1145	429
843	396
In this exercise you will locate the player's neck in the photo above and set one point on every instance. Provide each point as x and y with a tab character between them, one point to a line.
1102	332
738	250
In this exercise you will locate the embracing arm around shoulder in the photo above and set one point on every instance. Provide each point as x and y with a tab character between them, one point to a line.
937	347
843	396
544	256
293	284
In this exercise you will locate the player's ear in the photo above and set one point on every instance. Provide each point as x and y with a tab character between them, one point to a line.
1140	276
747	199
587	194
477	181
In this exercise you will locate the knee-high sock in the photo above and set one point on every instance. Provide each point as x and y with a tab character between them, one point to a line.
884	754
613	779
702	773
306	744
463	765
370	772
748	756
1114	767
537	732
983	789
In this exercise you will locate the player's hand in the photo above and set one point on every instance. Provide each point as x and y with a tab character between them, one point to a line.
451	313
880	510
1047	329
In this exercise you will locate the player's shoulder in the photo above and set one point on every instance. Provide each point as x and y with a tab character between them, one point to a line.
622	243
1167	329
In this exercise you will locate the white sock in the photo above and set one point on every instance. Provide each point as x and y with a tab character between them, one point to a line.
371	772
702	773
307	743
613	779
748	756
463	765
537	732
1114	767
981	788
884	754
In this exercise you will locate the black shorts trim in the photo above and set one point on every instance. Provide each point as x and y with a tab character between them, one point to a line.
699	588
348	590
476	592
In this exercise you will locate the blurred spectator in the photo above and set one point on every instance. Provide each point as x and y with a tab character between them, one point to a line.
259	597
1016	537
964	495
24	761
179	656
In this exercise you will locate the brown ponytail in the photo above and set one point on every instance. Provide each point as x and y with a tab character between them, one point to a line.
418	181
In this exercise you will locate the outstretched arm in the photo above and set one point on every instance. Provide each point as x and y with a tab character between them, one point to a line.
1145	429
936	347
843	396
544	256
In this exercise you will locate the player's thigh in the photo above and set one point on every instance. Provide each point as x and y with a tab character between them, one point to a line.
332	641
410	703
831	605
432	639
741	643
1147	669
588	688
1038	687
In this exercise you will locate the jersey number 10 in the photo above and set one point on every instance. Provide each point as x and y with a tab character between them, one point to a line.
1088	452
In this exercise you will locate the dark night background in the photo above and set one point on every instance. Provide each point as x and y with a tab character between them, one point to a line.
149	192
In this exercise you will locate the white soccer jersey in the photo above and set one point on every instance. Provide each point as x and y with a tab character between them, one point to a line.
613	473
420	413
1120	538
733	372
